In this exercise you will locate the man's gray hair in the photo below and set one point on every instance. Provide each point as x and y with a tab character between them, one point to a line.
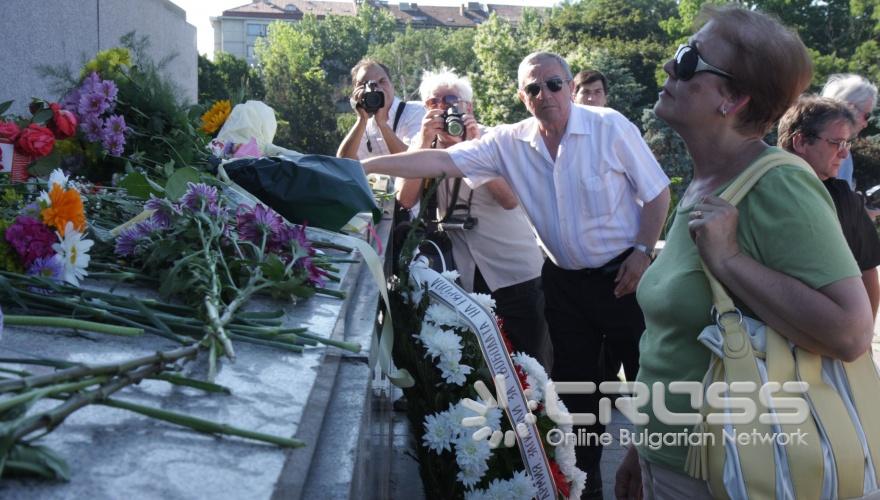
445	77
849	87
536	58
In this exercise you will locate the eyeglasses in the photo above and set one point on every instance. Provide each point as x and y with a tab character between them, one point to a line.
554	85
841	144
688	63
447	101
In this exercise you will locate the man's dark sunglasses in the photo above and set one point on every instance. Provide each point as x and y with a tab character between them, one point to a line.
447	100
688	63
553	84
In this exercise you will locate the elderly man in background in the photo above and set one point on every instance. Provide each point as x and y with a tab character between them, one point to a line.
493	246
597	199
861	96
819	130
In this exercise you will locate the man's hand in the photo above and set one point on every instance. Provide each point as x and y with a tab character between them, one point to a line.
630	273
383	112
628	480
356	96
471	126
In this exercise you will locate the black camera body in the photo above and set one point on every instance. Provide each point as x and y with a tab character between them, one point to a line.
373	99
453	124
872	197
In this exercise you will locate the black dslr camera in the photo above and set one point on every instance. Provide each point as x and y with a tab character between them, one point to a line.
453	124
373	99
872	198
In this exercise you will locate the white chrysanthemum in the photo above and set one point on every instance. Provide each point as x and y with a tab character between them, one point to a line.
442	315
451	275
493	418
477	494
438	432
578	481
565	457
484	300
443	344
44	200
73	252
455	413
454	372
520	486
536	376
472	458
57	177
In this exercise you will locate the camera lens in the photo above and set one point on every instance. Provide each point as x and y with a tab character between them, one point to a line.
373	99
453	124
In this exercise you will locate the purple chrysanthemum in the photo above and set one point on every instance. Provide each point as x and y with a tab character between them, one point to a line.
90	83
115	125
200	197
32	210
164	210
31	239
129	238
70	102
108	89
254	224
114	144
292	241
93	104
93	127
47	267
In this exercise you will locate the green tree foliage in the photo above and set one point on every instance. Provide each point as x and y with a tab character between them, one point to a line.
297	88
498	53
228	77
412	51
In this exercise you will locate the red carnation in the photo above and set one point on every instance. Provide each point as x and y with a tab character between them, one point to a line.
63	123
9	131
36	141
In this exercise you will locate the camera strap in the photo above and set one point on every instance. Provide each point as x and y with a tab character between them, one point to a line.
397	116
453	200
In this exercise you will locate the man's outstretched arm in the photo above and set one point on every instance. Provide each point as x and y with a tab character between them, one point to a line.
413	164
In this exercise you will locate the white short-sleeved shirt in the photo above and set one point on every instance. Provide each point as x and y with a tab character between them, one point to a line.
585	206
409	125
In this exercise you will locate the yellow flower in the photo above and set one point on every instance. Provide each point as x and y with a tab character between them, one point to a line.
65	206
215	117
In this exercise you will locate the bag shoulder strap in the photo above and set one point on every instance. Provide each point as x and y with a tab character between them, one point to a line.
733	194
397	115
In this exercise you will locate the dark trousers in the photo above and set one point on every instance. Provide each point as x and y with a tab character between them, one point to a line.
521	307
580	310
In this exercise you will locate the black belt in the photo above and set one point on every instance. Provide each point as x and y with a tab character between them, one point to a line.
610	267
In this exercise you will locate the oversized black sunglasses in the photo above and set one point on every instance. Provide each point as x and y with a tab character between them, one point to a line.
554	85
688	63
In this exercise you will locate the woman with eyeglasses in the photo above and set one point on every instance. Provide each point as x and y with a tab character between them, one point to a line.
780	252
861	96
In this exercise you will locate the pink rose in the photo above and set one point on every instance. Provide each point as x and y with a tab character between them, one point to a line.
9	131
63	123
35	140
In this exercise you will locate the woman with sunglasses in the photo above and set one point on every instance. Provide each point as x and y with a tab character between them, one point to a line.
780	252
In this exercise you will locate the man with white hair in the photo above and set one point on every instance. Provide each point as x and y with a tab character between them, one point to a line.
493	246
861	95
597	199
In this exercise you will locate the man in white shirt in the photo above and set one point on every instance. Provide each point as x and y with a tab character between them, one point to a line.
597	200
494	249
381	131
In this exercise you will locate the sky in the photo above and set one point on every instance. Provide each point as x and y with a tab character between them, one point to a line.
199	12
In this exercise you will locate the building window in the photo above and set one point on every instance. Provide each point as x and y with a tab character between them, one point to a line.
255	30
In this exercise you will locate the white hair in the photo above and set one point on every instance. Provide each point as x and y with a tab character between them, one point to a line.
535	58
849	87
445	77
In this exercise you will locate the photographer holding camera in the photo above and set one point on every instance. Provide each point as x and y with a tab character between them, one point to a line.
385	124
493	246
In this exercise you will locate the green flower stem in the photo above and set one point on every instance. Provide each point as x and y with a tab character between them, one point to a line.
348	346
50	419
331	245
332	293
52	390
78	371
278	313
76	324
270	343
202	425
191	382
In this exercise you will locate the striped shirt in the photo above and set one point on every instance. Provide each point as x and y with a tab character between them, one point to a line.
585	206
